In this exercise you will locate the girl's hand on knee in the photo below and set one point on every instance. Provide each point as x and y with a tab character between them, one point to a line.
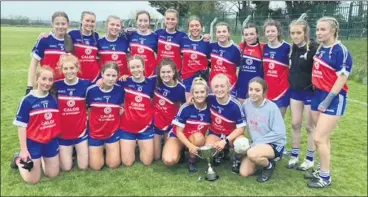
219	145
193	149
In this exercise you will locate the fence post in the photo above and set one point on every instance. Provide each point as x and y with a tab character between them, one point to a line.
349	20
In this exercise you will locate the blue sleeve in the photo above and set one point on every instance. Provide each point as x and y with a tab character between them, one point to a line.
182	116
182	95
237	57
344	61
208	49
22	117
239	116
38	51
89	96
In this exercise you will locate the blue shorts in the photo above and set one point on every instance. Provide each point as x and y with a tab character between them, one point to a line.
171	134
38	150
278	150
146	135
162	132
222	136
302	95
97	142
337	106
71	142
284	100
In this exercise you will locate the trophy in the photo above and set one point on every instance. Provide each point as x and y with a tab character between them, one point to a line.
206	152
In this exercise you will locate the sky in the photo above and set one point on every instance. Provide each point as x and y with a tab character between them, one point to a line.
43	10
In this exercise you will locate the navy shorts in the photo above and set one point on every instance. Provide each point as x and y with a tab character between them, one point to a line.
145	135
171	134
100	142
302	95
162	132
38	150
278	150
284	100
71	142
337	106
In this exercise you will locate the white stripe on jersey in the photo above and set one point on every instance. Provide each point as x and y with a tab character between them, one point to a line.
220	116
54	52
71	97
33	54
85	46
141	46
19	123
177	123
169	43
136	93
37	111
193	51
90	87
197	122
250	57
221	58
20	104
162	97
238	104
274	61
105	105
323	63
182	108
111	52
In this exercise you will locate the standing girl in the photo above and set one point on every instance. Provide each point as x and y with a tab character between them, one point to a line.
105	105
38	124
227	119
137	120
113	47
190	127
301	91
196	53
267	131
143	42
169	95
252	60
225	56
276	65
331	68
71	95
169	39
48	49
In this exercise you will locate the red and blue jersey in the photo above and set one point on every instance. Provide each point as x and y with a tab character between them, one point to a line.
192	119
138	109
146	47
225	117
166	104
225	60
40	116
276	69
86	51
114	51
251	65
104	117
48	51
169	46
72	107
329	63
195	56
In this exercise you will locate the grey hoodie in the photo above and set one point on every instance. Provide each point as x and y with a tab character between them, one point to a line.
265	123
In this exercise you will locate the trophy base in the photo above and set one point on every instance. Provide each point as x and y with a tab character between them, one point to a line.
212	179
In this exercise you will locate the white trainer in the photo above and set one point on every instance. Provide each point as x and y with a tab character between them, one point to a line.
292	162
306	165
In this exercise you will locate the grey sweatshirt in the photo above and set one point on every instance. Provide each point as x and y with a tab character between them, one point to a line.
265	123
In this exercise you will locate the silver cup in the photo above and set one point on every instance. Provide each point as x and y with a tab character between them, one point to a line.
207	153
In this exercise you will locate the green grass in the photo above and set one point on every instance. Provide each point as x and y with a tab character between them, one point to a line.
349	150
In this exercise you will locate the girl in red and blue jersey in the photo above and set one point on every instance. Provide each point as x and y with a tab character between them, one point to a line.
225	56
196	53
71	96
169	39
143	42
48	49
276	65
227	119
251	64
169	95
331	68
113	47
105	107
137	120
38	124
190	127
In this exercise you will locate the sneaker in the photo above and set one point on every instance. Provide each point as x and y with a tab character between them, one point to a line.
192	167
13	164
265	175
182	157
319	183
286	152
236	166
311	174
306	165
292	162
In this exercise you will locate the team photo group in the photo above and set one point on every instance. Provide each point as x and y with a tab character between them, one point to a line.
94	99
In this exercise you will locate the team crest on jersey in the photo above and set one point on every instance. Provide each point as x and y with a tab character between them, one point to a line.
249	61
200	127
218	120
161	102
87	42
70	103
193	56
48	115
140	50
219	62
271	66
138	99
88	51
316	65
107	110
168	47
114	56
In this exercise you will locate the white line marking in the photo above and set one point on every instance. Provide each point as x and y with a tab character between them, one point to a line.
356	101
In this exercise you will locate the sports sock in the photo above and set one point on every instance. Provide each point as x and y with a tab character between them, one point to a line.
310	155
295	152
325	175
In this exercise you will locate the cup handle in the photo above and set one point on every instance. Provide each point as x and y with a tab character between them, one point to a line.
199	156
215	153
